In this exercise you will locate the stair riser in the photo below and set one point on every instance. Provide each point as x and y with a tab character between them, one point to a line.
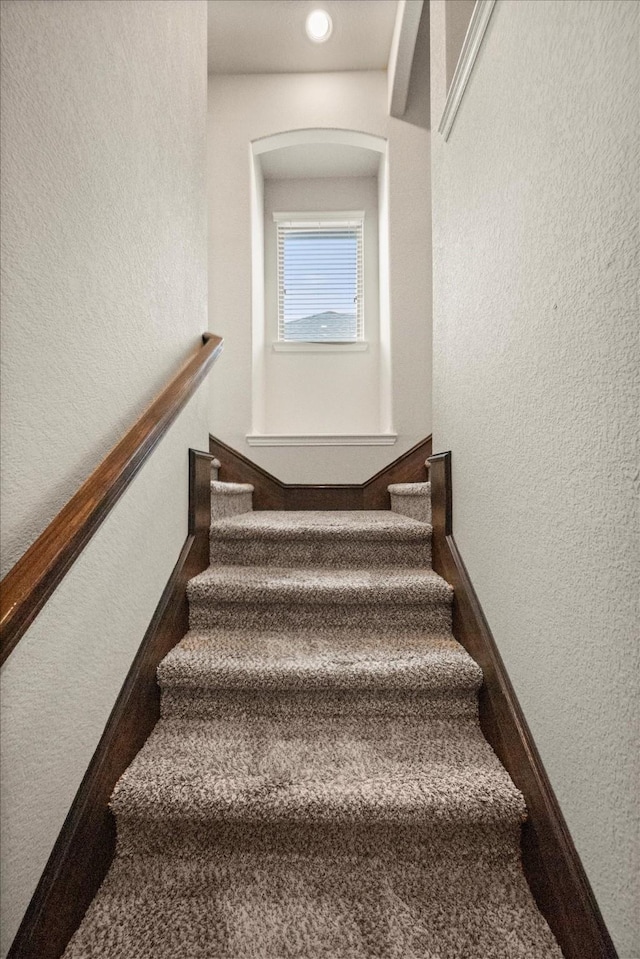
287	812
208	614
225	505
332	554
214	703
415	507
414	843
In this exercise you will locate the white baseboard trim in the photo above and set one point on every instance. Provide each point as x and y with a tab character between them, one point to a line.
322	439
470	49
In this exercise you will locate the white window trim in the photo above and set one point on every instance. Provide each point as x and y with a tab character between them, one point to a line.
305	218
315	219
311	346
322	439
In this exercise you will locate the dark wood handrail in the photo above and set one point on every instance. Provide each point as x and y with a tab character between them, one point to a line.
27	587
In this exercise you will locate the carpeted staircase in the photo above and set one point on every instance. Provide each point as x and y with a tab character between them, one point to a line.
318	785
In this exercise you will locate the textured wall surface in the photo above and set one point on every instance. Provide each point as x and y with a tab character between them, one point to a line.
536	392
102	188
244	108
103	296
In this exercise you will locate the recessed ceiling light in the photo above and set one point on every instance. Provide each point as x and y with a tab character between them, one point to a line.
319	26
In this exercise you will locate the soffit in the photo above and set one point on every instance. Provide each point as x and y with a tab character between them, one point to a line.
268	36
319	160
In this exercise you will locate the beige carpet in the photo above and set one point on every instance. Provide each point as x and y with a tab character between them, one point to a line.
318	785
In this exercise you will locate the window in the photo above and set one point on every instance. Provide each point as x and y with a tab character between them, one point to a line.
320	284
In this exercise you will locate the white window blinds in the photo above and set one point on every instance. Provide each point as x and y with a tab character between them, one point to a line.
320	283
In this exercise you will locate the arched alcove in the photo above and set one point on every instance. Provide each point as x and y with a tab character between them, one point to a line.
320	393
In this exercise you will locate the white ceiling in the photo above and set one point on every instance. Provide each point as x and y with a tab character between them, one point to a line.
319	160
268	36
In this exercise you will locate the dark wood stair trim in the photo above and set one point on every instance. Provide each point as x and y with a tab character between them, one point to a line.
551	862
85	847
29	584
272	493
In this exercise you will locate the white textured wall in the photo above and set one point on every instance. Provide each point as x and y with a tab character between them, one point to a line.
244	108
103	297
536	392
322	392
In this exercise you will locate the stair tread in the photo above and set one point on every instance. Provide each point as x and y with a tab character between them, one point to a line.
325	769
285	660
411	897
410	489
356	525
219	488
317	585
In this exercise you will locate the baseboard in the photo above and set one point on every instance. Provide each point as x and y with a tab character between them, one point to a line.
84	849
551	862
272	493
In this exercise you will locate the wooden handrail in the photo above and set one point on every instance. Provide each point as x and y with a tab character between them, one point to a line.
27	587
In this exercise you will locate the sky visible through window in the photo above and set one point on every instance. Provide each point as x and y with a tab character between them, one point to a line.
320	281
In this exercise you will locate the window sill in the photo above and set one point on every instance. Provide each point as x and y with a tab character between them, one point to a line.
360	346
322	439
